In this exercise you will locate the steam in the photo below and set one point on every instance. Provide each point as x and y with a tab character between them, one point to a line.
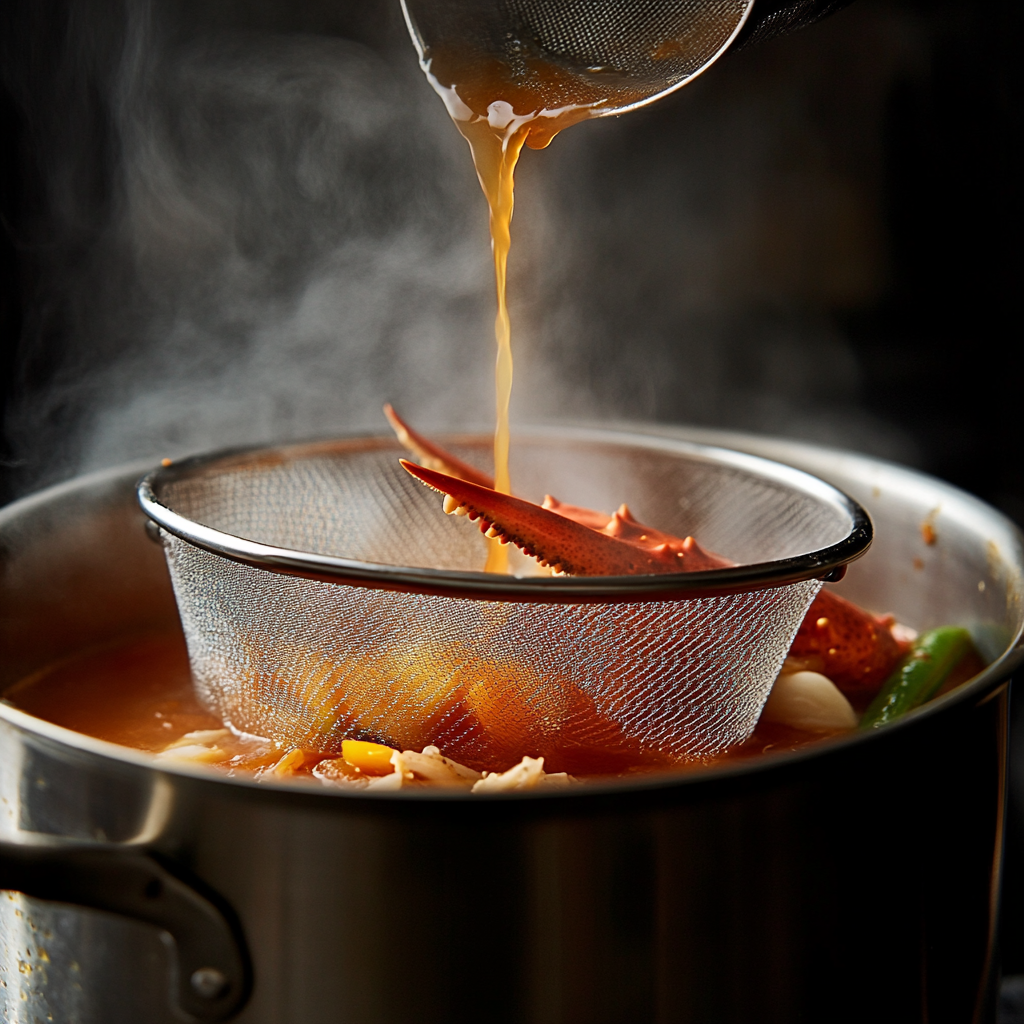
295	235
295	238
695	261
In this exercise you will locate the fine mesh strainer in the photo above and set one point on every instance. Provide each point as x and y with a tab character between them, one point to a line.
324	595
619	54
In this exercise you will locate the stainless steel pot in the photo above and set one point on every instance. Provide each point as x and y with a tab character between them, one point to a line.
854	881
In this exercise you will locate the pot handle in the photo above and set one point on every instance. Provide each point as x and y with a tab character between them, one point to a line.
214	975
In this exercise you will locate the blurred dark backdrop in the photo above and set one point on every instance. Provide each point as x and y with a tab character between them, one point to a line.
225	222
234	221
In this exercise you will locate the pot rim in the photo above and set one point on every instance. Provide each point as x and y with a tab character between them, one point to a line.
829	561
688	781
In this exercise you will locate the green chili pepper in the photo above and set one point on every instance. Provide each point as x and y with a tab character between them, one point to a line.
934	655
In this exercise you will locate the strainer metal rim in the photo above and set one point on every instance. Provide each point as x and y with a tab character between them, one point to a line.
676	86
823	563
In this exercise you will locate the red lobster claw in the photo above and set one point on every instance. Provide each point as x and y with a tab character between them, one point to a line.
855	649
431	455
623	548
589	544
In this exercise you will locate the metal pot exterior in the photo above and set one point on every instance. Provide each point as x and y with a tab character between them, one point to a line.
855	882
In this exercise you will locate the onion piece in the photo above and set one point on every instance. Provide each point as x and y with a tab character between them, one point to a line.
808	701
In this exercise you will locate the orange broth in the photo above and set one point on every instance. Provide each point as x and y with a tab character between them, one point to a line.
138	693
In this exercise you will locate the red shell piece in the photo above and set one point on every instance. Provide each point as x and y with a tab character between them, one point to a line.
855	649
624	548
433	455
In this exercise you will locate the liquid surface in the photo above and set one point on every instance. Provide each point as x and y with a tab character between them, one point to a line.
139	694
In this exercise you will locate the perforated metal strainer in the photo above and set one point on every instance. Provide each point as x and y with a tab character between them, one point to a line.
628	51
325	596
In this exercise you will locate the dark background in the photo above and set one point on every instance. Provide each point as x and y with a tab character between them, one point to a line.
817	238
239	221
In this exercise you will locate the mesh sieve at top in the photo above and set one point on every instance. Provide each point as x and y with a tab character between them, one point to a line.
628	52
325	596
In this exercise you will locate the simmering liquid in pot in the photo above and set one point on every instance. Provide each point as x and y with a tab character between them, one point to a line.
139	694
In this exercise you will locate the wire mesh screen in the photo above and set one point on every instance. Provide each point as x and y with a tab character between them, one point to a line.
588	686
659	41
310	663
603	53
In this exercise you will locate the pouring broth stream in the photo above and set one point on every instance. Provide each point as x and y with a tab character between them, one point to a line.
499	109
